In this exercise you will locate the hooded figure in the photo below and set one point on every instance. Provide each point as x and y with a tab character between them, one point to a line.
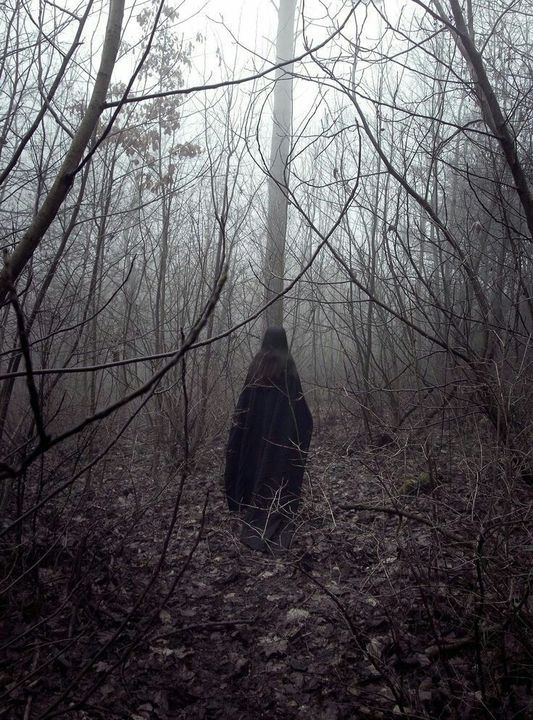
267	447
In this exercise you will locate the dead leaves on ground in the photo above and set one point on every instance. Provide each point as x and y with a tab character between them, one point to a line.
354	621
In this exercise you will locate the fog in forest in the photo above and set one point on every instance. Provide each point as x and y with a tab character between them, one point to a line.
266	361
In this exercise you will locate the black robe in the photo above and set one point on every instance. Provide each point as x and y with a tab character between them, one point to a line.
265	461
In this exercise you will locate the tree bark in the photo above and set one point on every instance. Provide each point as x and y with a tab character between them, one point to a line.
278	181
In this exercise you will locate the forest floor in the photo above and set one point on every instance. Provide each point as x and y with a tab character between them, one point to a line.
370	614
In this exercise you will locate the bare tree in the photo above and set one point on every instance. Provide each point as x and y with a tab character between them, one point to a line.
15	263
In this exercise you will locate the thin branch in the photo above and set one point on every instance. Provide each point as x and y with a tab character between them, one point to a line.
122	101
231	83
148	387
15	263
44	439
411	516
76	325
48	98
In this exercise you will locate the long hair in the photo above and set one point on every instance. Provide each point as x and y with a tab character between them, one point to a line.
273	365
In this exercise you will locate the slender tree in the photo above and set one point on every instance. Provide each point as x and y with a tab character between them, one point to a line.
278	182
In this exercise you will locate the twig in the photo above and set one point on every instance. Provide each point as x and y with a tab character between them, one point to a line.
53	710
411	516
27	709
230	83
376	664
148	387
207	625
30	380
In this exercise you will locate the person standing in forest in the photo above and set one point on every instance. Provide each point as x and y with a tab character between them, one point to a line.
267	448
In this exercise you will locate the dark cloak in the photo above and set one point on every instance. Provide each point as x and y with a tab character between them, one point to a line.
265	458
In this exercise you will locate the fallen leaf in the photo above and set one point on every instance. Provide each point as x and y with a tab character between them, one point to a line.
165	617
295	615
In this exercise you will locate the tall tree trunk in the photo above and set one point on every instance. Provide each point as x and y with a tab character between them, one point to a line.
279	172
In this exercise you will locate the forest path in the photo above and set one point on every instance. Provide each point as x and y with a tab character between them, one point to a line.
248	635
368	615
